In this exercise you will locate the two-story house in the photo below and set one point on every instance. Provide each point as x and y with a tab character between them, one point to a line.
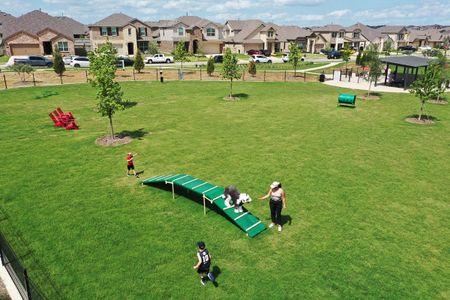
38	33
80	33
292	34
4	19
125	33
332	36
244	35
397	34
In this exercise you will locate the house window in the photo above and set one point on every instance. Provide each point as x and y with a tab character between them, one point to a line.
210	32
401	36
180	31
104	31
114	31
334	34
356	35
63	46
142	31
270	33
143	46
129	31
341	34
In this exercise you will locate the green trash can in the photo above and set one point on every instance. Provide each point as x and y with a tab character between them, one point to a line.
347	99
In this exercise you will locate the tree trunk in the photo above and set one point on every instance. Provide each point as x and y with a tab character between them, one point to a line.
111	126
370	85
421	109
231	88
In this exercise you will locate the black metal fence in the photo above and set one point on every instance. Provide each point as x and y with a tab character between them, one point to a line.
19	274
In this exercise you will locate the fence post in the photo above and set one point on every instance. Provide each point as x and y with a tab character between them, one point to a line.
156	73
134	76
243	75
4	80
34	81
60	79
87	80
304	76
285	75
264	75
27	283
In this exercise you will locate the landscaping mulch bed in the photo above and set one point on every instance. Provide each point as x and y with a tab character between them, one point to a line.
117	141
423	121
233	98
440	102
371	97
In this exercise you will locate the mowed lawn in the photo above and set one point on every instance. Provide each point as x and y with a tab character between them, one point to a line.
367	193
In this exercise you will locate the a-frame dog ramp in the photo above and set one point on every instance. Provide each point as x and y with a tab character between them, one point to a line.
212	194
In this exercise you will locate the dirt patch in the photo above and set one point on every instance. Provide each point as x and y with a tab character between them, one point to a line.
232	98
3	292
423	121
371	97
440	102
117	141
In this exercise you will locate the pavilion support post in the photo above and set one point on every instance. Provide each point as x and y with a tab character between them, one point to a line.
204	205
395	72
405	77
417	73
173	191
386	75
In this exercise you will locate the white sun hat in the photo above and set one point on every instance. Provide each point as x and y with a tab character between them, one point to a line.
274	184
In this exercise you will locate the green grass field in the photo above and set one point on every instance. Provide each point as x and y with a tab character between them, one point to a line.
367	193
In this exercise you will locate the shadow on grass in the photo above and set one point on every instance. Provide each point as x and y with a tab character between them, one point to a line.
343	106
135	134
130	104
286	219
216	273
46	94
424	117
241	95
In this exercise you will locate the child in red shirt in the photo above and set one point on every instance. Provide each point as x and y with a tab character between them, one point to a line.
130	164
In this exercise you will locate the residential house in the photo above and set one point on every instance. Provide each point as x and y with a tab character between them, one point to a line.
243	35
397	34
37	33
292	34
199	35
4	19
80	32
332	36
126	34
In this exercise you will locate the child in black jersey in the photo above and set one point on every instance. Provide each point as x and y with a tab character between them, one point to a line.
203	264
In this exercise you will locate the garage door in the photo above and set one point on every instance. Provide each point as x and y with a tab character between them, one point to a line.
25	49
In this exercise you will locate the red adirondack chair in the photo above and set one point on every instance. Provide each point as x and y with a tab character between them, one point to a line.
69	114
62	118
56	122
72	126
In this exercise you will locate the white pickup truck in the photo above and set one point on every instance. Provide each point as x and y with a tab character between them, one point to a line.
159	58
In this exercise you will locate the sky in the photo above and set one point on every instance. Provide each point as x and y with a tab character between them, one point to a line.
282	12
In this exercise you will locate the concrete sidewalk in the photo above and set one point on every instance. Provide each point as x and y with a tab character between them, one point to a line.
9	284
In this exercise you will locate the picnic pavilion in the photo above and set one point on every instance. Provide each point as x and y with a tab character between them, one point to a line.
410	64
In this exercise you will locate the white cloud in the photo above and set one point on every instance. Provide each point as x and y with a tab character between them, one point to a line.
339	13
300	2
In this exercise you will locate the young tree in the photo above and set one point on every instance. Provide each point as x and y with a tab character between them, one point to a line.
375	71
138	63
387	47
103	68
230	68
58	63
22	70
252	68
358	58
294	56
442	75
345	54
180	54
152	48
210	66
425	88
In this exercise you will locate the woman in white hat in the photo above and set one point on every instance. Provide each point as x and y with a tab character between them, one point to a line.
277	199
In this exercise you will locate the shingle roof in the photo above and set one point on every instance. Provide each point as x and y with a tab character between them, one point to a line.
118	19
289	33
192	21
34	22
74	25
407	61
391	29
369	33
328	28
244	28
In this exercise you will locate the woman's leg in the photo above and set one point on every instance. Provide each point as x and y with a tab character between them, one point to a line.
273	211
278	212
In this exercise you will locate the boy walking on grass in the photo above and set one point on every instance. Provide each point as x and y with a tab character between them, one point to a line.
130	164
203	264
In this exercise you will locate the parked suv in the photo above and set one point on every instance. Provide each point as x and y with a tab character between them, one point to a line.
265	52
218	58
260	59
32	60
80	61
334	54
254	52
407	48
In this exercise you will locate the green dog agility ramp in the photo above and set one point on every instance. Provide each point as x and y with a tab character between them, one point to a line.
210	194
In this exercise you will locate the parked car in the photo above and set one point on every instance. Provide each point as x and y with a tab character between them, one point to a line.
254	52
218	59
425	48
159	58
324	51
285	57
32	60
265	52
407	48
333	54
260	59
126	61
67	59
80	61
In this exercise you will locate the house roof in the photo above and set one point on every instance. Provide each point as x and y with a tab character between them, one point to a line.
35	22
290	33
243	28
328	28
118	19
391	29
74	25
407	61
369	33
